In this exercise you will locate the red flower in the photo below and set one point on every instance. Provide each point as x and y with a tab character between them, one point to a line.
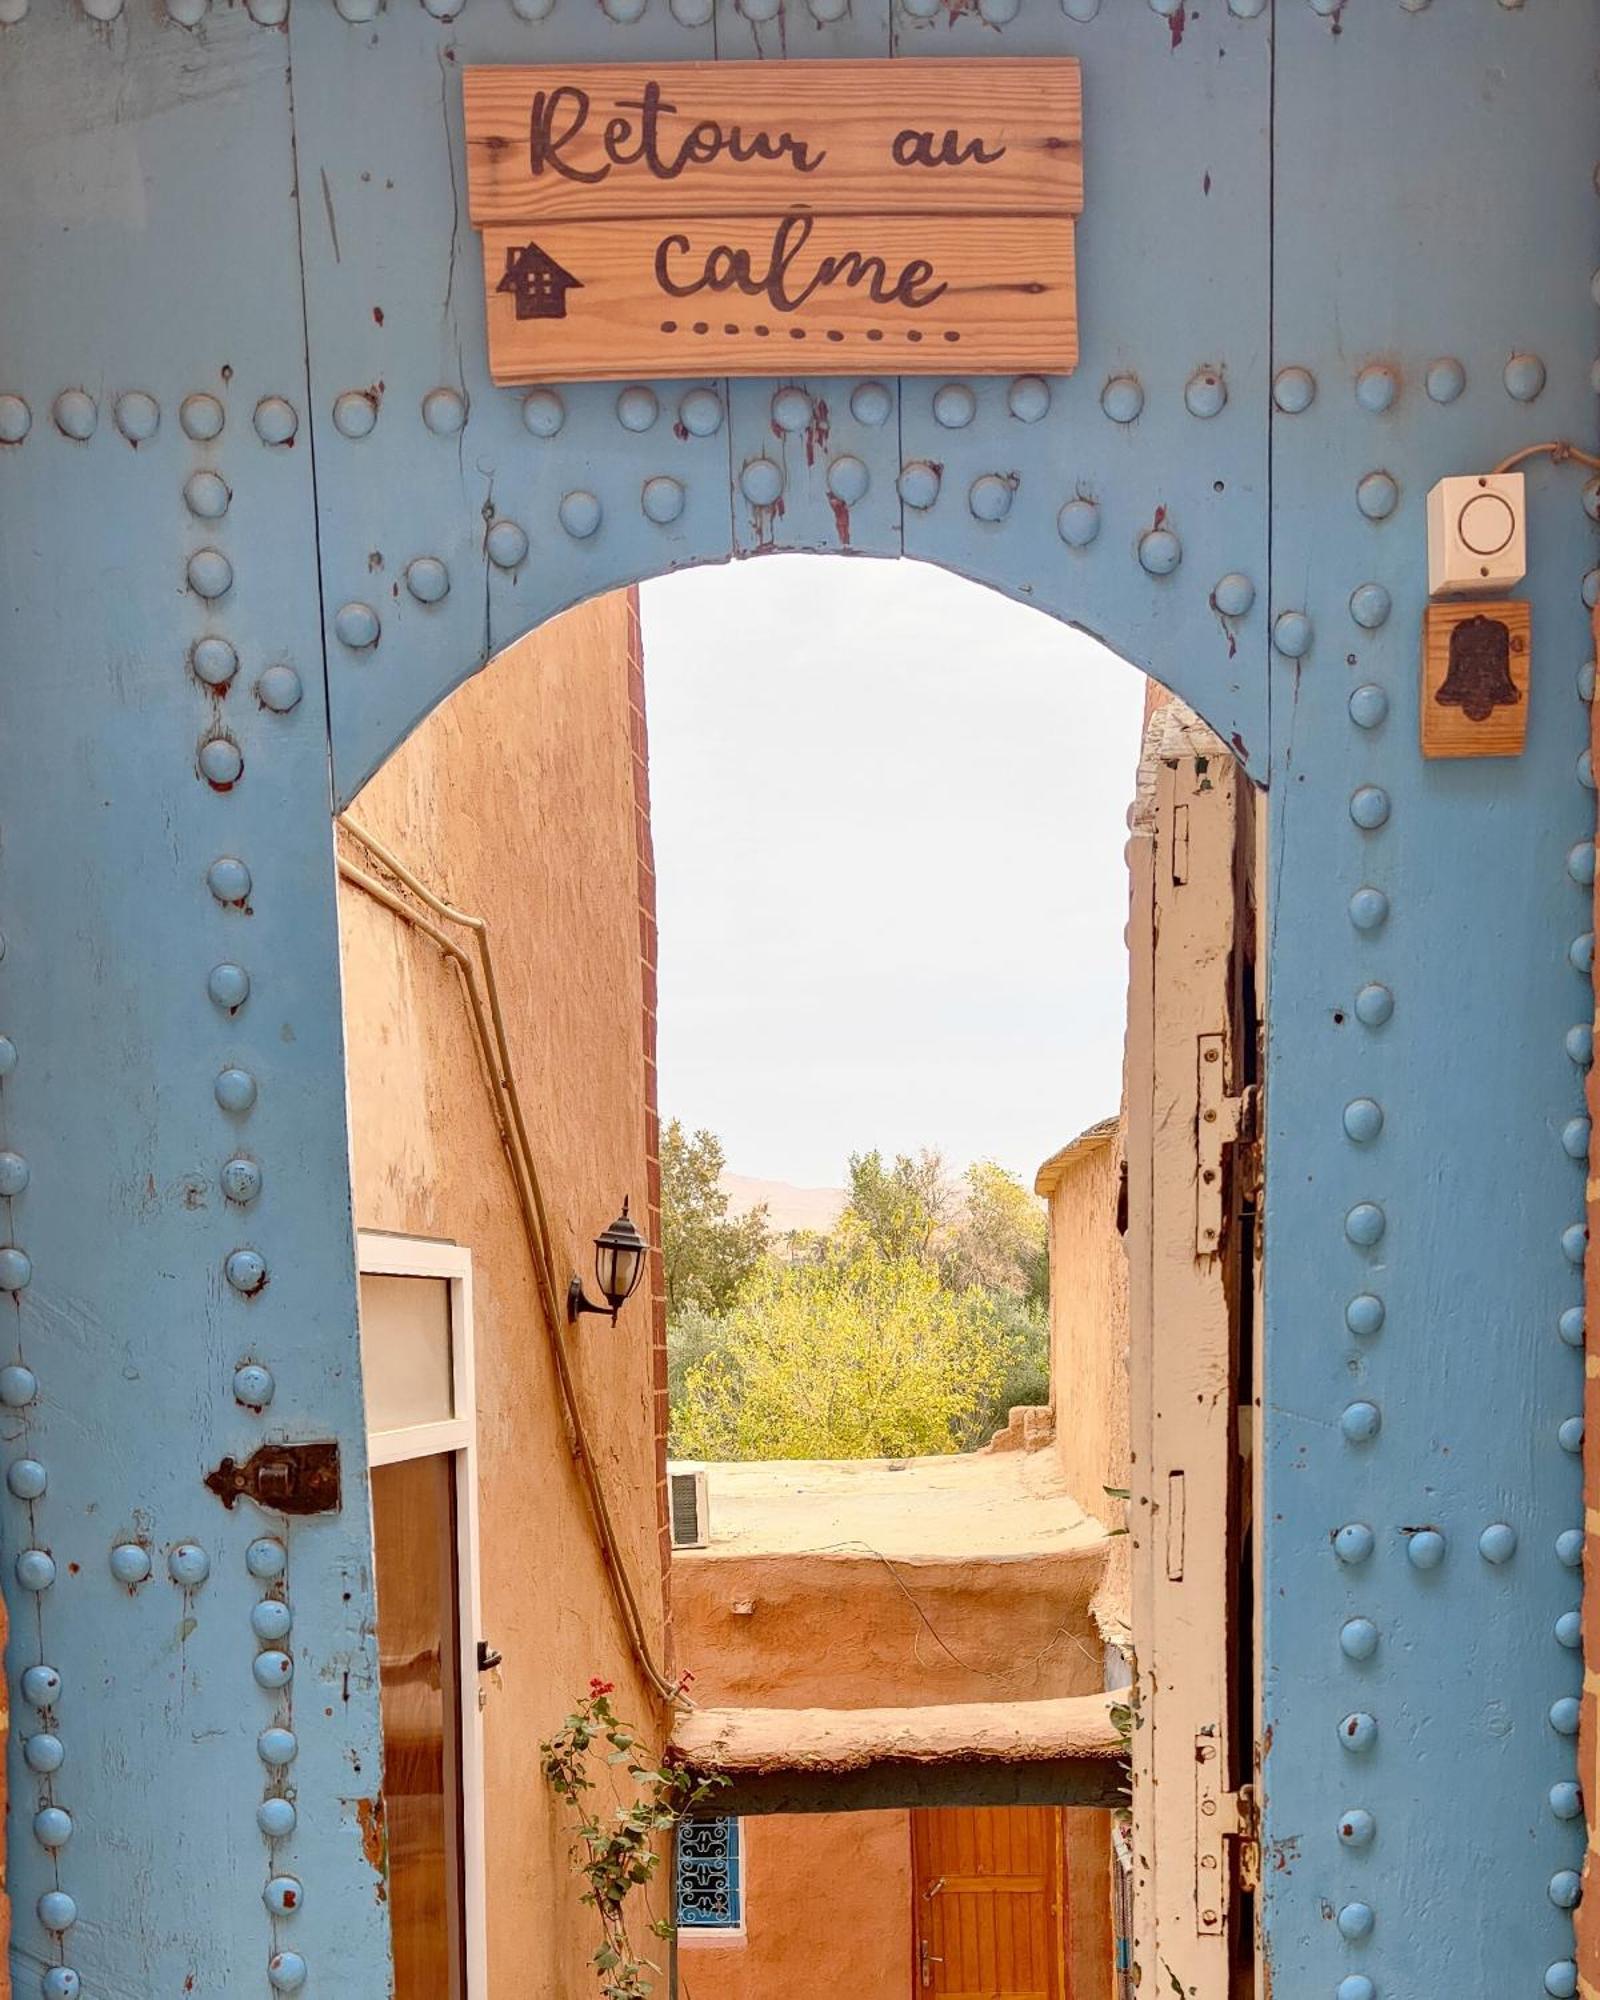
598	1687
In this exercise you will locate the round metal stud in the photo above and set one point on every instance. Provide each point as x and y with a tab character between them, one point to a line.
1360	1422
998	13
235	1091
828	11
213	661
202	418
1374	1005
41	1687
276	420
1028	398
1355	1921
276	1818
14	1175
662	499
1294	390
1425	1549
1591	501
444	412
8	1056
1291	634
1356	1986
580	514
1569	1630
228	879
792	410
277	1748
1369	605
427	579
356	626
1376	388
60	1982
871	403
1446	378
228	987
221	763
1581	952
241	1180
270	1620
1569	1435
625	12
1356	1827
1377	495
16	1269
543	412
1353	1543
188	1565
266	1558
1569	1548
137	415
1369	706
1575	1138
1524	377
918	484
1364	1224
1561	1979
44	1754
1570	1326
16	420
187	13
18	1387
954	406
1369	909
848	480
1586	681
506	544
1574	1242
1232	595
210	574
761	482
1358	1639
52	1827
246	1271
1580	863
1160	551
26	1478
283	1895
279	689
1363	1120
990	496
1078	523
286	1972
272	1669
130	1563
1566	1888
76	414
1566	1800
700	413
1080	10
355	413
1585	765
1364	1315
1205	393
1369	806
253	1386
1122	398
533	10
637	408
1498	1542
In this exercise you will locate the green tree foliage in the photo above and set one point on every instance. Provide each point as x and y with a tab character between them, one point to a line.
855	1356
901	1209
708	1255
998	1241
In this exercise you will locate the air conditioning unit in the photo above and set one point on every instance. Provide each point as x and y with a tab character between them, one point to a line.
687	1506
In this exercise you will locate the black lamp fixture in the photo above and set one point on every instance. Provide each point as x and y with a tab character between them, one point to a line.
619	1254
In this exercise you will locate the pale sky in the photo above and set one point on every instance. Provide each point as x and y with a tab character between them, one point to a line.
890	810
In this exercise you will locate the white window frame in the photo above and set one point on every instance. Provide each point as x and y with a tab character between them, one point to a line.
381	1255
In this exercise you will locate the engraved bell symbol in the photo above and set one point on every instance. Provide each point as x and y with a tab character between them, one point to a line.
1478	677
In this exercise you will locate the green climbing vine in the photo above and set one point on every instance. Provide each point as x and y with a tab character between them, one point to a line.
619	1851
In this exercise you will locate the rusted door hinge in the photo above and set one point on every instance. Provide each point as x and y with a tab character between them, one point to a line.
284	1478
1222	1121
1227	1841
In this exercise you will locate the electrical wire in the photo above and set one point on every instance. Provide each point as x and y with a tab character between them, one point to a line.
1557	449
494	1052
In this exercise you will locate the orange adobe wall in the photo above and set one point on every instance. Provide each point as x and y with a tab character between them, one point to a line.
523	800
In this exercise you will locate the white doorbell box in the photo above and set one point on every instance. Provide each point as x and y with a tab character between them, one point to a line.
1477	533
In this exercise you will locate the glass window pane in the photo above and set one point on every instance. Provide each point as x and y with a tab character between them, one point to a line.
414	1535
405	1351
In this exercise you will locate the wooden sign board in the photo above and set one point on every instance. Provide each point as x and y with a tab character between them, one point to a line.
777	218
1476	656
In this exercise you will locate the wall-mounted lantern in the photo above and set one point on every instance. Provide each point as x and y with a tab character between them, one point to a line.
619	1254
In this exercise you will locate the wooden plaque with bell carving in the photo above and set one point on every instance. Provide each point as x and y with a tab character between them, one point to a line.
1475	660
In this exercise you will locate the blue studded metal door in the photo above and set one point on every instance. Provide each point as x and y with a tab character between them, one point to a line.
260	505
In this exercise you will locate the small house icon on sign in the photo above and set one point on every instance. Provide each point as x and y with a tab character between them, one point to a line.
537	283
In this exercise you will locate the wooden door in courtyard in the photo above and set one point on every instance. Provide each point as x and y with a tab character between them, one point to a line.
988	1903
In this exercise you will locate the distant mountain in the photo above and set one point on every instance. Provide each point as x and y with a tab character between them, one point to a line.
788	1207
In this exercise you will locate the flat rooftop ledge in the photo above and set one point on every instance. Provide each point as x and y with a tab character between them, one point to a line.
1064	1752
